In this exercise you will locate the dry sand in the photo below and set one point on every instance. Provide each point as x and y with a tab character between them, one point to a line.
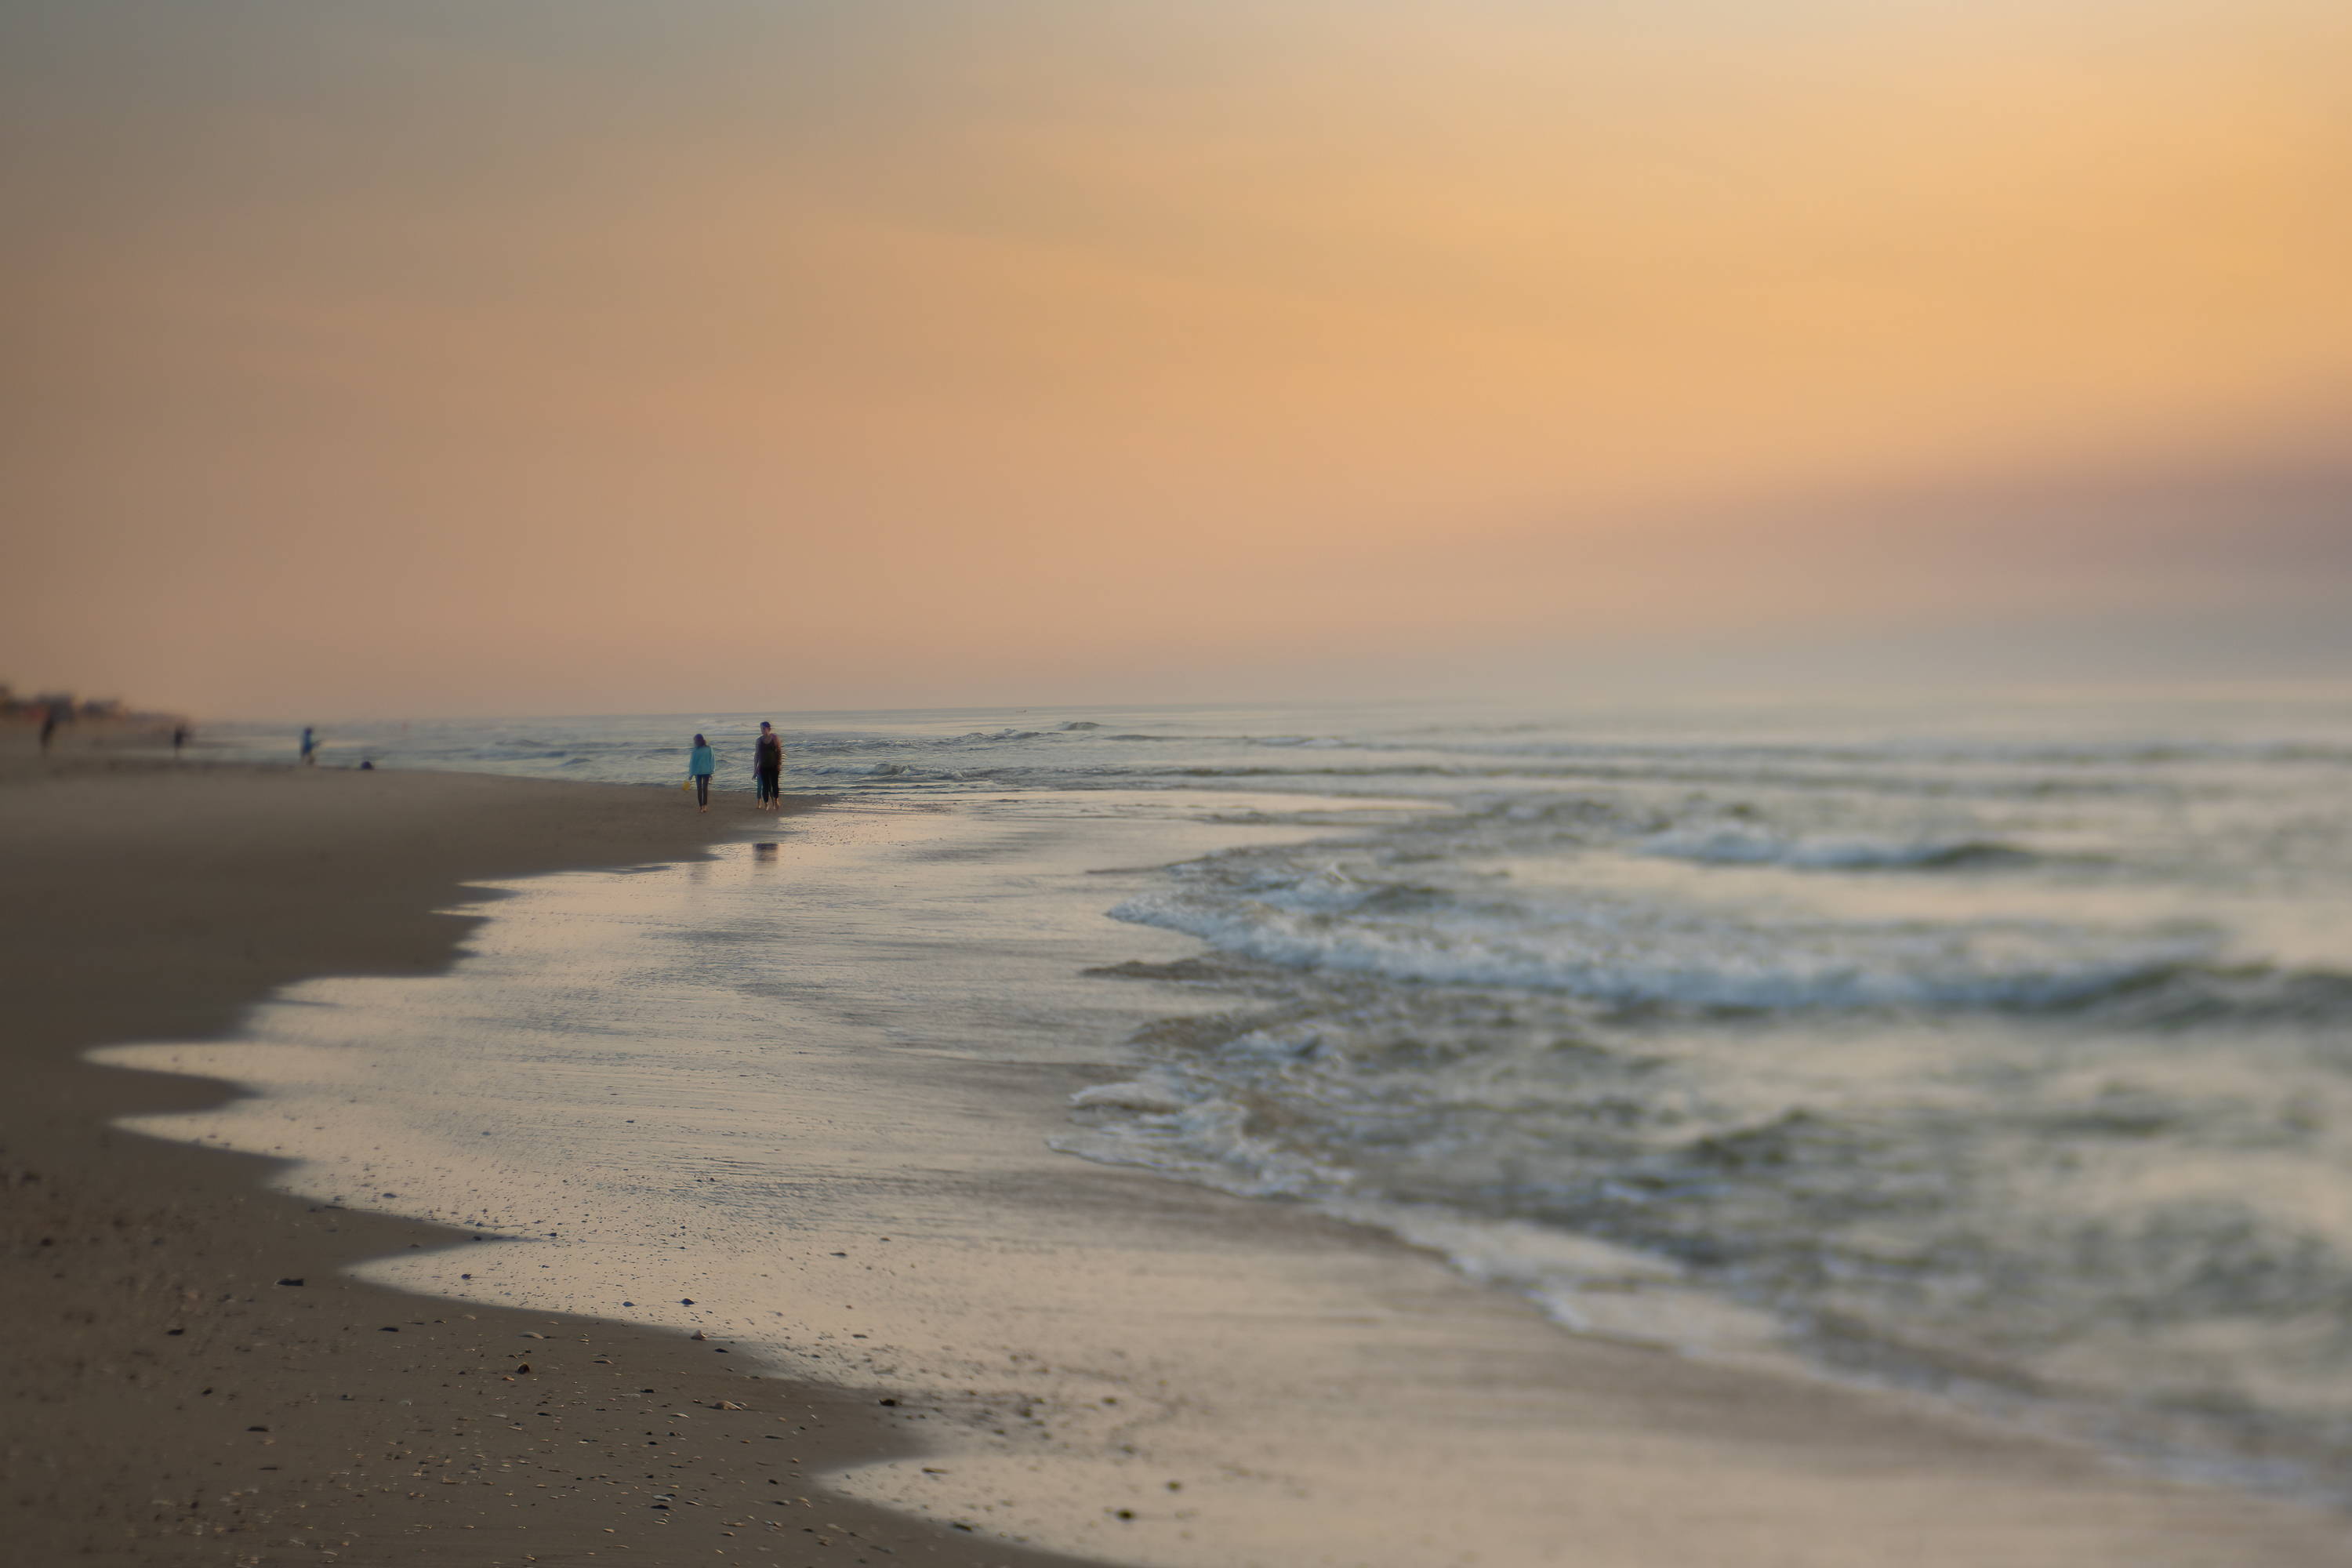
189	1378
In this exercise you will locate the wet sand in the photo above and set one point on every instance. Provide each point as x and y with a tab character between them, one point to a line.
189	1378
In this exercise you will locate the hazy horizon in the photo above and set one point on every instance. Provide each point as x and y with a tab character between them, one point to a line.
592	357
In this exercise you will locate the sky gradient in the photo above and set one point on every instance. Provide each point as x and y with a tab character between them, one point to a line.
582	356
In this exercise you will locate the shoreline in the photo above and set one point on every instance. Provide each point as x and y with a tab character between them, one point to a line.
183	1400
192	1377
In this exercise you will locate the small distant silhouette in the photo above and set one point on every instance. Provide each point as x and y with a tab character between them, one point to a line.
768	768
309	747
48	725
179	740
367	764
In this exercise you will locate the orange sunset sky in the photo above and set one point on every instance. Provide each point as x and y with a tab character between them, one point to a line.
447	356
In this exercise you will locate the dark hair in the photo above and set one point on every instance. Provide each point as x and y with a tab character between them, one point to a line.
700	742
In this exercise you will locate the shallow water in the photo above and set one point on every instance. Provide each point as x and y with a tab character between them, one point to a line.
2004	1050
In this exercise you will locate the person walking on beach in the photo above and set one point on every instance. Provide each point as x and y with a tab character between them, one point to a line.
309	747
179	740
700	766
48	726
768	768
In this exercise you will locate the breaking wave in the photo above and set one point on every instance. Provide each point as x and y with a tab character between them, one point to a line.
1749	847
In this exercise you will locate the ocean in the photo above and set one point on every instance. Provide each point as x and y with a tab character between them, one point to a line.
1999	1051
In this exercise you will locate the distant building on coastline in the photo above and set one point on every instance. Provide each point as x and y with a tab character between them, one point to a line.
39	706
69	709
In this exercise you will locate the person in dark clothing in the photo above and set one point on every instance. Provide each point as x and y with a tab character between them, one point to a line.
768	767
48	726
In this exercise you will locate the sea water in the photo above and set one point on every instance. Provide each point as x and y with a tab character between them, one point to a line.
1999	1049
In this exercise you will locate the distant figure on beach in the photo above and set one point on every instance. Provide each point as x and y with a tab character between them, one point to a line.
309	747
48	726
700	766
179	740
768	768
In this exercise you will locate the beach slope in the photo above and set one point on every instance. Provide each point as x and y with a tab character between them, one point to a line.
187	1375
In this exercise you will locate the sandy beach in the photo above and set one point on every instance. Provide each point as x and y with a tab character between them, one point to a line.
189	1376
1570	786
192	1377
